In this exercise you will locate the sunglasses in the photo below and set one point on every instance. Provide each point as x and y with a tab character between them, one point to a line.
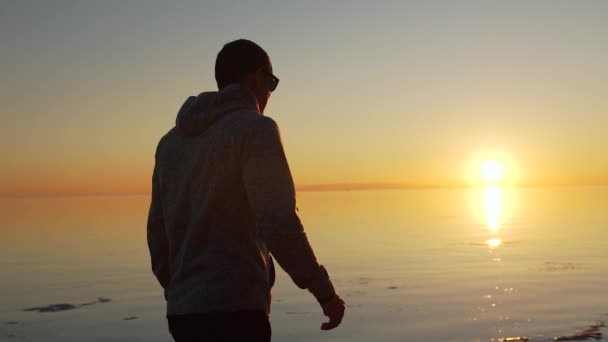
274	80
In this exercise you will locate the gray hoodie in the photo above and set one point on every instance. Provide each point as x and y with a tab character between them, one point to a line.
223	201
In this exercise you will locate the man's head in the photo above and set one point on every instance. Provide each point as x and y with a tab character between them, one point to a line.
243	61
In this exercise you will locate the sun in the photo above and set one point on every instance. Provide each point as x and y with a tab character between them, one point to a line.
491	170
493	167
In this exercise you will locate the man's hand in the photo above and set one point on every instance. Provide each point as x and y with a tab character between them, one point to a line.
334	309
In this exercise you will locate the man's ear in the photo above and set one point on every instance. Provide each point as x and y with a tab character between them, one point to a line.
259	78
250	80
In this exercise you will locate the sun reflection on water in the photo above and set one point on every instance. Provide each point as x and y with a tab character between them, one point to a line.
493	202
493	243
492	197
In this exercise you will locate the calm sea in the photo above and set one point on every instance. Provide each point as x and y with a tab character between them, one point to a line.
413	265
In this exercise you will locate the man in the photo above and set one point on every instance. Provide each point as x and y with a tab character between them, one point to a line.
223	201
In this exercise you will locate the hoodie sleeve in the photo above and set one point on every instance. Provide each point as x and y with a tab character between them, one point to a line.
271	195
157	239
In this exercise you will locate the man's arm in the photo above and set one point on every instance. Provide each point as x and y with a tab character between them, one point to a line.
157	239
271	194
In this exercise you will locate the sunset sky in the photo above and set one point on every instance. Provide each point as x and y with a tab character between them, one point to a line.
372	93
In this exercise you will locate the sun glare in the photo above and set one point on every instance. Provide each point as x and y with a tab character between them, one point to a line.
491	170
492	167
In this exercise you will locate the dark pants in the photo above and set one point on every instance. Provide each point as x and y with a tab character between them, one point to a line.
251	326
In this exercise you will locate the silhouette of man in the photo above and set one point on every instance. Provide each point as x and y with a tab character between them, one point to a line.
223	201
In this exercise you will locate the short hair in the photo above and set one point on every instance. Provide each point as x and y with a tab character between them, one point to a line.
237	59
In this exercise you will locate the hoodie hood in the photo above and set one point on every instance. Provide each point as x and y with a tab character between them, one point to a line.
199	112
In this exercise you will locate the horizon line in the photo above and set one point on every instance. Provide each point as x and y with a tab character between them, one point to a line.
324	187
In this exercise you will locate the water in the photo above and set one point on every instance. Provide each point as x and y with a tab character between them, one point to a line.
415	265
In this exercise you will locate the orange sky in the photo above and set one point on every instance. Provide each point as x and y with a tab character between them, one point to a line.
383	95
